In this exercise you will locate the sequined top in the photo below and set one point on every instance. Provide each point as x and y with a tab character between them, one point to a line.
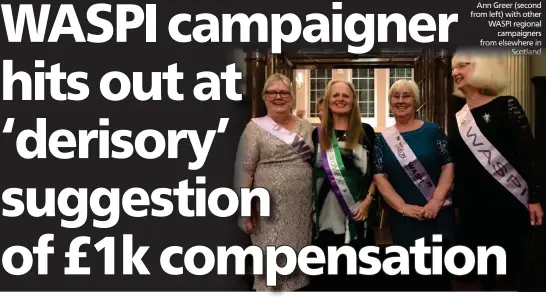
483	200
267	162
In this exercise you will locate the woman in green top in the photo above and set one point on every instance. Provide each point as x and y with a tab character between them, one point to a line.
343	187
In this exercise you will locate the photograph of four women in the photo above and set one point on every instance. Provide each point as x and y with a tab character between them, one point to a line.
326	182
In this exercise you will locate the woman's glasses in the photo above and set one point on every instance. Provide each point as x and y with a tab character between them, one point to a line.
403	96
273	94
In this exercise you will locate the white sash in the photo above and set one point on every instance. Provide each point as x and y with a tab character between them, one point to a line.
410	163
489	157
333	165
340	187
336	174
294	140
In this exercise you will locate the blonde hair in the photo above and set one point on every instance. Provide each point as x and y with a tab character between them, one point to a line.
409	84
278	77
355	128
488	75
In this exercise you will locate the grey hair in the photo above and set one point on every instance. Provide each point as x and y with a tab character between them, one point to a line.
406	83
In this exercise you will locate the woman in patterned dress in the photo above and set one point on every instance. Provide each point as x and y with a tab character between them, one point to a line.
266	160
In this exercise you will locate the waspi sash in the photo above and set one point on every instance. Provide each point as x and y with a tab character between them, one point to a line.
343	185
410	163
294	140
489	157
334	167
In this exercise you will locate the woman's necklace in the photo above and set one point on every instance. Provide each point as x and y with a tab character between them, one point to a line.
343	136
285	124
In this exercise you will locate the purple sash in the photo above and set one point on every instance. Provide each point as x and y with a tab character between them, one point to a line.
489	157
335	170
295	141
339	180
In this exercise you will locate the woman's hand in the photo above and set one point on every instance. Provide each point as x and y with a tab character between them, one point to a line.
413	211
432	208
536	214
247	224
361	213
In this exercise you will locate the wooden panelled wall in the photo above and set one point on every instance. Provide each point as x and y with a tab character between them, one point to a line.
256	69
432	73
261	66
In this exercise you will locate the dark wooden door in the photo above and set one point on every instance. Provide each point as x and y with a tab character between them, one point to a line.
255	78
423	76
432	73
261	66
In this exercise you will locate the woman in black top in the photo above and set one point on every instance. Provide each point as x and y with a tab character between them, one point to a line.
338	223
490	213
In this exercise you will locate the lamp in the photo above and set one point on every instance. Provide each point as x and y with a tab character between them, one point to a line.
299	80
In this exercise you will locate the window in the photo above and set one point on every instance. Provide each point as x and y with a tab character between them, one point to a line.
396	74
319	79
363	80
371	86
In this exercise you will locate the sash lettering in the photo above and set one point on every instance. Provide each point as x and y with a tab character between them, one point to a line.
295	141
410	163
334	167
337	176
302	147
489	157
469	134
